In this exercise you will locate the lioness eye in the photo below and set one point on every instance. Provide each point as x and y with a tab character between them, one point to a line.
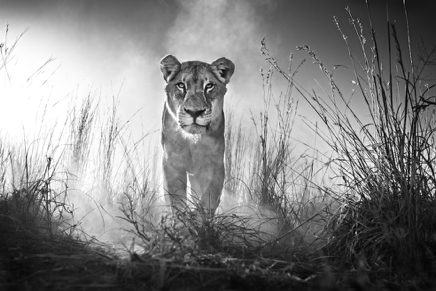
180	85
209	86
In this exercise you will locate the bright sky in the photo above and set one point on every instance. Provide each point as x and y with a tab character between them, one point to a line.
107	45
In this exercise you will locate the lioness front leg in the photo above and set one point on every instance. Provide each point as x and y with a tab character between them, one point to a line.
207	184
174	186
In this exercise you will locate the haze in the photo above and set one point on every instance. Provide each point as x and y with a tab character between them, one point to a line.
112	48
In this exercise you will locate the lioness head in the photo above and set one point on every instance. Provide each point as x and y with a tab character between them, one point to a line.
195	92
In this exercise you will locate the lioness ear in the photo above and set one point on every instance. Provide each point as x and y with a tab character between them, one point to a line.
223	69
169	66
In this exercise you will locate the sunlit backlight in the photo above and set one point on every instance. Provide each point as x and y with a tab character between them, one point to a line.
25	89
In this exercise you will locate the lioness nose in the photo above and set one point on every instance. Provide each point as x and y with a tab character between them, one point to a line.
195	113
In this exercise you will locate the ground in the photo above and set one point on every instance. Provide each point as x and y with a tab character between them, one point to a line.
31	259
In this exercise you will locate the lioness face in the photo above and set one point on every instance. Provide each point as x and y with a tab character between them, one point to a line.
195	92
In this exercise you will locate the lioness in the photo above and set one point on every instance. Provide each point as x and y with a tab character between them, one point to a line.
193	130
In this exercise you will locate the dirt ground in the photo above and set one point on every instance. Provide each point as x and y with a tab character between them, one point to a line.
30	260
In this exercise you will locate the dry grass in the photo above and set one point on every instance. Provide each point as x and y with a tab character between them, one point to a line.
386	164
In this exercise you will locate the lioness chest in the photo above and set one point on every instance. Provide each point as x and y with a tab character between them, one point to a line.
189	154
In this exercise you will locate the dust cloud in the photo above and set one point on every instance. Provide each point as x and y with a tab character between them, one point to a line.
208	30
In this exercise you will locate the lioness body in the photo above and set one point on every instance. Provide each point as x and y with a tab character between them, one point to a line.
193	130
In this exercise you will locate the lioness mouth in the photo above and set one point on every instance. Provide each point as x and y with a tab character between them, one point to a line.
195	128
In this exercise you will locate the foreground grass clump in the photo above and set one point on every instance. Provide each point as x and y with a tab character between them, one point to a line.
33	257
386	165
